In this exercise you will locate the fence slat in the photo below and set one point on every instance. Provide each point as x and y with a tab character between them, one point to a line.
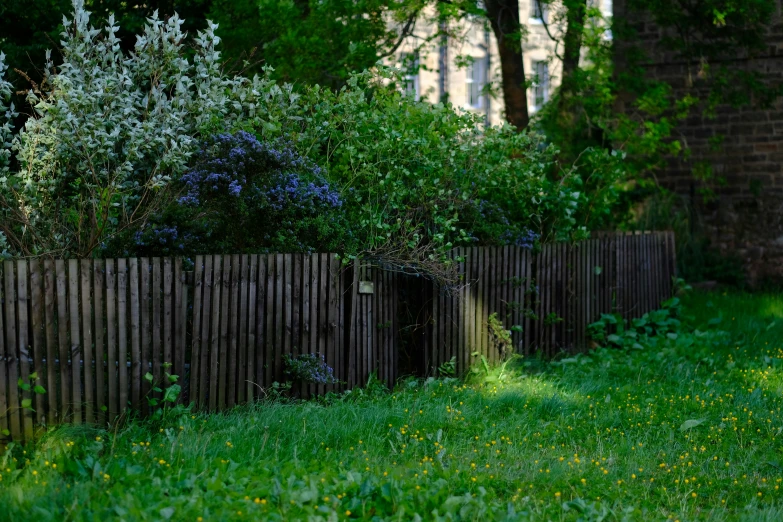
23	340
206	331
51	341
136	369
98	284
122	332
3	355
287	311
231	369
11	344
198	286
63	344
460	297
295	303
38	346
307	332
242	331
86	313
168	316
145	328
157	322
76	349
271	334
217	288
323	303
252	338
352	341
261	318
181	320
111	339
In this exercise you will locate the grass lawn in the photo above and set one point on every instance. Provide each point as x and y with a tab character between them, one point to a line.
683	429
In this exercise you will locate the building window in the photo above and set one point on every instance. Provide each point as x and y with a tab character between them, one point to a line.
541	85
410	64
476	79
539	11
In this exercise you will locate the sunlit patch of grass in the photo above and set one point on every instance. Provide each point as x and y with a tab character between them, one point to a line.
598	435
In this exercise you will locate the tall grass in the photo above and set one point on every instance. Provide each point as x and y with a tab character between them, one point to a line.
603	436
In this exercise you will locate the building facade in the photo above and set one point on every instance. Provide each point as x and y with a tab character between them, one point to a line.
465	70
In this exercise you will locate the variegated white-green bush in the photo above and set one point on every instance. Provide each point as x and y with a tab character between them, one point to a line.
110	130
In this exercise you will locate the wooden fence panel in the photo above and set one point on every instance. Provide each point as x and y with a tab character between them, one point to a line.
550	299
90	330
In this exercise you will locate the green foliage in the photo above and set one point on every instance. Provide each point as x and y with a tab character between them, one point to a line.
99	169
308	42
709	36
619	107
501	338
645	331
171	391
629	144
25	385
413	172
449	368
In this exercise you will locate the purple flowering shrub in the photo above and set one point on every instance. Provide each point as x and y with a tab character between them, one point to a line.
309	367
246	195
491	225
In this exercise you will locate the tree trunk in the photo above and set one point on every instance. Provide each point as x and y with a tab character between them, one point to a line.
568	101
572	42
503	16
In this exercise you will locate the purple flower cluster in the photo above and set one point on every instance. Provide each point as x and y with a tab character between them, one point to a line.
166	238
267	175
526	239
309	367
292	191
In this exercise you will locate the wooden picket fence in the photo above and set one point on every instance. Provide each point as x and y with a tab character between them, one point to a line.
550	297
88	331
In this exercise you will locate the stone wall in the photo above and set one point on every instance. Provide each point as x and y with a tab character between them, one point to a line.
742	146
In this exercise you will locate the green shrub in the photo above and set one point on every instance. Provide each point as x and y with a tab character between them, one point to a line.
107	157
